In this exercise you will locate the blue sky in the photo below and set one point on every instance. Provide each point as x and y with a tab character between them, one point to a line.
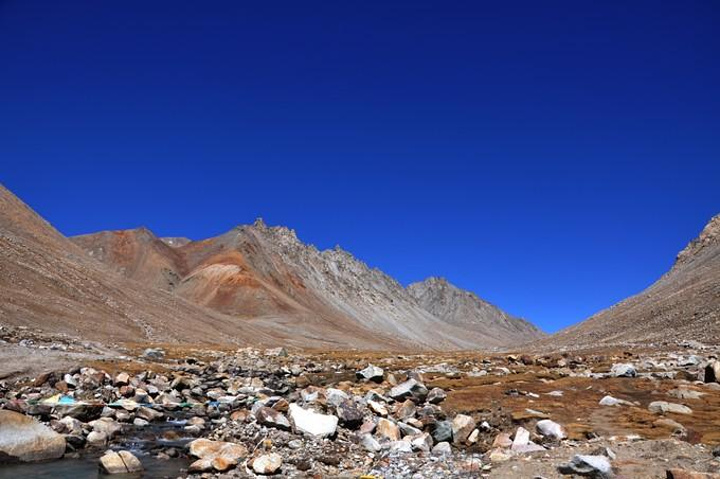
551	156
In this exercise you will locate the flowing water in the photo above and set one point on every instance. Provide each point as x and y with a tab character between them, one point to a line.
143	442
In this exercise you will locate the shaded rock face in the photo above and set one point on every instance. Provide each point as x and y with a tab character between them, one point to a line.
26	440
466	310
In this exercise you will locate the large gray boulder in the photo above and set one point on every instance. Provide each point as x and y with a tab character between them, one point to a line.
26	440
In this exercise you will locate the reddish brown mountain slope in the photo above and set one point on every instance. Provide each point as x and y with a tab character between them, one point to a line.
683	304
268	277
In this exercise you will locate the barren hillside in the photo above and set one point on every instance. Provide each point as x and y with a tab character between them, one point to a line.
47	282
683	304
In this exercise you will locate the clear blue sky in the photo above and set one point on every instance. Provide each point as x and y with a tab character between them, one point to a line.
551	156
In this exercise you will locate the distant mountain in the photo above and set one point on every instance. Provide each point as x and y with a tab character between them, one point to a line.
268	277
466	310
683	304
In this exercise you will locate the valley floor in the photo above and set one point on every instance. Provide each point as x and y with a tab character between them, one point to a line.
612	412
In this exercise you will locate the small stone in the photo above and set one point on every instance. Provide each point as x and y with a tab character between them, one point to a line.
410	389
670	424
683	393
370	443
272	418
388	430
349	414
502	440
216	455
597	467
442	431
377	408
122	379
662	407
371	373
442	449
623	370
400	447
436	396
609	401
522	438
462	426
421	442
267	464
551	429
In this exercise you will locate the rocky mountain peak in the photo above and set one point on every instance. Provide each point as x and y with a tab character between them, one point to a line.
709	238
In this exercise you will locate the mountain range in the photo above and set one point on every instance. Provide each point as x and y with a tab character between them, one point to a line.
254	284
261	285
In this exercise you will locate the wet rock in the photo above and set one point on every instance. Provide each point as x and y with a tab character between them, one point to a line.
462	426
662	407
596	467
137	422
97	439
149	414
371	373
272	418
267	464
120	462
312	423
551	429
24	439
623	370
